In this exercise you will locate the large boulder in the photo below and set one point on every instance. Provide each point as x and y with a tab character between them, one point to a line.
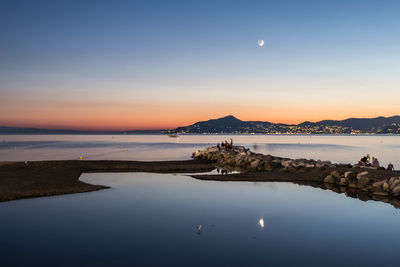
363	181
242	163
393	182
361	174
254	163
350	175
396	191
385	186
286	163
330	179
343	181
230	161
267	166
378	186
335	174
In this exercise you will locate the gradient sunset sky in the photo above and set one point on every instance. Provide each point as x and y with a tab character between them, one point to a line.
162	64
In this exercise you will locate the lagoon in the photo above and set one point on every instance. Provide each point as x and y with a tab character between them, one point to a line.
151	220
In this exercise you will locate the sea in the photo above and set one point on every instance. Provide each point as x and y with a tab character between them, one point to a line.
148	219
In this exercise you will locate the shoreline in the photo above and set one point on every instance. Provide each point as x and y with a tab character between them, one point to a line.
20	180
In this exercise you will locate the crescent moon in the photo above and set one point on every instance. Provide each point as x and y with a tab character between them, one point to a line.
260	42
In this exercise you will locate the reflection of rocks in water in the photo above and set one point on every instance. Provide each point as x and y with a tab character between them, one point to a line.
225	170
354	193
363	183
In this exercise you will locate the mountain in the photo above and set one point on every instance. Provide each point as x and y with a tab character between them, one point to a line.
228	124
379	123
231	124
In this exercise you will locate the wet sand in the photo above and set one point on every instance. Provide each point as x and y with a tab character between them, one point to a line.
46	178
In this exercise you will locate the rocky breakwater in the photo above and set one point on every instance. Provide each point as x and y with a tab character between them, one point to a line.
364	182
367	181
247	160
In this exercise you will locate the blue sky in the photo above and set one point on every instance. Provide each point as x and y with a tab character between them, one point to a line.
132	63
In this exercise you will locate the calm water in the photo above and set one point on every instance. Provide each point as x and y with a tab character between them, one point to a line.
340	149
151	219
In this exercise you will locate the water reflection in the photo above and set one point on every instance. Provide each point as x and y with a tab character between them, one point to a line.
353	193
261	222
153	219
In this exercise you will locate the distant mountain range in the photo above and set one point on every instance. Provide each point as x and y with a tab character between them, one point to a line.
232	125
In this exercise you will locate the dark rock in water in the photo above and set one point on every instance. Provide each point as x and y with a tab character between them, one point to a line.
363	181
366	182
361	174
385	187
330	179
343	181
335	174
396	191
350	175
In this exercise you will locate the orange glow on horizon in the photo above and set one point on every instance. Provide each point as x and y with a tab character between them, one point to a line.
157	122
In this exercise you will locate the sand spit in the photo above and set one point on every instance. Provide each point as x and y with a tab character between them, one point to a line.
46	178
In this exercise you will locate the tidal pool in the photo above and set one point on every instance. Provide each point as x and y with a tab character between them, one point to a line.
164	219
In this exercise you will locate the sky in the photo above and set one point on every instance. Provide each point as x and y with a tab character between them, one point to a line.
124	65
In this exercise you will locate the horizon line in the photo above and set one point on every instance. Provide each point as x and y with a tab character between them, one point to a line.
66	128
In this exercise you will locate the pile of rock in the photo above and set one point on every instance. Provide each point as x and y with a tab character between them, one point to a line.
361	181
243	158
357	179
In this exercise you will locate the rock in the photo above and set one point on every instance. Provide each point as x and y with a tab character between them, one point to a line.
230	161
261	165
275	164
392	179
343	181
335	174
286	163
310	165
353	184
385	186
241	163
330	180
378	186
380	193
350	175
268	166
363	181
393	182
361	174
254	163
396	191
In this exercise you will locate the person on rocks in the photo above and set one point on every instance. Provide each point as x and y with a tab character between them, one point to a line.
368	163
390	167
363	161
219	147
375	162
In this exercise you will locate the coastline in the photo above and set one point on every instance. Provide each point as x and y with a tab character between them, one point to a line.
48	178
